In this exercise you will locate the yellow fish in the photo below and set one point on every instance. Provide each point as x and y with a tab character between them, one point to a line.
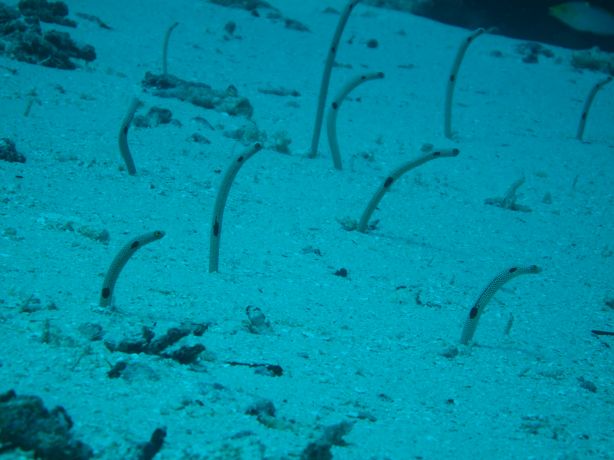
584	17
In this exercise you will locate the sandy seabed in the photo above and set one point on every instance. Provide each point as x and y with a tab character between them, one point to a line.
375	352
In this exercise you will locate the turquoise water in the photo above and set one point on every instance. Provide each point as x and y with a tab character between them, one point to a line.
308	338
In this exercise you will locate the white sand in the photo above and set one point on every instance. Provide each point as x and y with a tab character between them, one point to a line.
366	348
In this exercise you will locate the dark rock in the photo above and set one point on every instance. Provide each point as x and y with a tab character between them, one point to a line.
155	116
22	39
26	424
9	153
315	451
372	43
260	408
186	354
153	446
62	42
230	27
172	336
331	436
54	12
117	369
144	342
199	94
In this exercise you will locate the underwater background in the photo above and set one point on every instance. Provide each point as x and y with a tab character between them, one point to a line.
123	123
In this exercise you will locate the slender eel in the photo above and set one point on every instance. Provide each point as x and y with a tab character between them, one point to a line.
478	308
331	123
167	37
220	204
123	136
460	54
124	254
588	103
599	332
328	67
363	224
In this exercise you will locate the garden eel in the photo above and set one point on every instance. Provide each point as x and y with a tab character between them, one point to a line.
167	37
123	136
124	254
587	105
393	176
460	54
478	308
220	203
331	122
328	67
